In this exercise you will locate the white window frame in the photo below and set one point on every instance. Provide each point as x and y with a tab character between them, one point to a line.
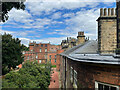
75	79
71	74
96	85
45	49
36	56
40	50
39	61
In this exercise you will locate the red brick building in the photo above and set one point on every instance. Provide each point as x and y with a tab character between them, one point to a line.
42	52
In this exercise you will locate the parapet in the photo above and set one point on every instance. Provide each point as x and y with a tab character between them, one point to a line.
108	12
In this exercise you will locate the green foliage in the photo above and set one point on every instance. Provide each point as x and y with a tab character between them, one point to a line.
53	66
11	53
24	48
7	6
31	75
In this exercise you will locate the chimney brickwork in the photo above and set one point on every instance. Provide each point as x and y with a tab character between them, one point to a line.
80	38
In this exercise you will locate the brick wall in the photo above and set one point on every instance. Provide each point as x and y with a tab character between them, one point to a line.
58	59
88	73
38	52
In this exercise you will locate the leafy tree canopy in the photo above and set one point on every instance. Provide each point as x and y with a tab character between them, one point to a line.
7	6
24	48
11	53
31	75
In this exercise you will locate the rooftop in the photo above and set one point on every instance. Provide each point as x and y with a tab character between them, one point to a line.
88	52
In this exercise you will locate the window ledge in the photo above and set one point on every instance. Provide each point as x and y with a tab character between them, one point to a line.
74	86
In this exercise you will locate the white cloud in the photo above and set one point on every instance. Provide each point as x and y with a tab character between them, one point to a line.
19	16
26	41
5	31
56	15
48	7
69	15
83	21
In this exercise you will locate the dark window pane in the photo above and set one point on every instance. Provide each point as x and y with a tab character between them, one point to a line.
45	45
106	87
41	45
113	88
100	87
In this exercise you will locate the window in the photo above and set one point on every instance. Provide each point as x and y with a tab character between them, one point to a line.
71	74
41	45
45	49
39	61
50	56
31	50
28	58
50	60
75	79
55	60
104	86
55	56
40	50
45	56
36	56
45	45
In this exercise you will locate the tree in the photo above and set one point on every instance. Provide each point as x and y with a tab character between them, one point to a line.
11	53
31	75
7	6
24	48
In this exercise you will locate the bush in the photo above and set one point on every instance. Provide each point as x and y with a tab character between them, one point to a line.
31	75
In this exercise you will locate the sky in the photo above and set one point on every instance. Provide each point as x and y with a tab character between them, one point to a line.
54	20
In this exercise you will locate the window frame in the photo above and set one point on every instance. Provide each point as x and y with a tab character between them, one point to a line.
41	45
45	45
71	74
55	56
40	50
75	79
55	60
36	56
109	85
45	49
40	61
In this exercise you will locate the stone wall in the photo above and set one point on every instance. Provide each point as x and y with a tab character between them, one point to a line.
107	31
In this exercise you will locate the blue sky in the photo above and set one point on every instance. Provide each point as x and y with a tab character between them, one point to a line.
54	20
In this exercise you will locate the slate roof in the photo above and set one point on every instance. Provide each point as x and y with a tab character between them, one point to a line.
88	52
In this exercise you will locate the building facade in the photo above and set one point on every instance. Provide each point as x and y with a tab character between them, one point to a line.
42	52
107	31
87	65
